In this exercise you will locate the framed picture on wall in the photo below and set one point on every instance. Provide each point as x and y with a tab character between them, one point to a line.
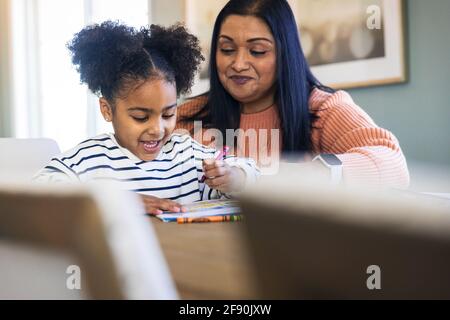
200	16
353	43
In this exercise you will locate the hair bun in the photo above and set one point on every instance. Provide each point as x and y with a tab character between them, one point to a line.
100	53
179	48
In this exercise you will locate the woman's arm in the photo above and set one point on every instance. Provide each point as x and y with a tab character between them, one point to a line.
186	111
370	154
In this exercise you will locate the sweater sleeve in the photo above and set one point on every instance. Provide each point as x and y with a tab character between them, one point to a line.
370	154
187	110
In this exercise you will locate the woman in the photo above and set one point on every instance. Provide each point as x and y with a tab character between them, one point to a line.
261	80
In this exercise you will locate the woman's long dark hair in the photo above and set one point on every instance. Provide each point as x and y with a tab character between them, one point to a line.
294	78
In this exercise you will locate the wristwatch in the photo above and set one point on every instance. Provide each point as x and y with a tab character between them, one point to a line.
333	163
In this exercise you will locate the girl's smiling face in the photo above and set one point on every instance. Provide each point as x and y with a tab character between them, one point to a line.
144	120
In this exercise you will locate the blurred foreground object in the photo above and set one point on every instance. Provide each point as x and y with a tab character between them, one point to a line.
311	240
53	237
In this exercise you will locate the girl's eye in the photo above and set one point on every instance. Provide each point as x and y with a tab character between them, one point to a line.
168	116
138	119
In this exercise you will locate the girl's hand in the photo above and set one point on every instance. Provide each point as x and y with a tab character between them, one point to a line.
154	205
220	176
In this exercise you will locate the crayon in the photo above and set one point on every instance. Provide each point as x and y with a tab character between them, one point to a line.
221	155
226	218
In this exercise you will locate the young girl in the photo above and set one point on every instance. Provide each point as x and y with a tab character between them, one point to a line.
139	75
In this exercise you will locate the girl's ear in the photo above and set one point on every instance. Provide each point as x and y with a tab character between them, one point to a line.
105	109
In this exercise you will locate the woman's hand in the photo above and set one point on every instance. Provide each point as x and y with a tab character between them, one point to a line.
220	176
154	205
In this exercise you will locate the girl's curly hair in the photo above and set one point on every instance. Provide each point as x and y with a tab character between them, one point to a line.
111	57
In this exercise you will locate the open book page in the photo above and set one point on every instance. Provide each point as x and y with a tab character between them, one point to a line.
204	209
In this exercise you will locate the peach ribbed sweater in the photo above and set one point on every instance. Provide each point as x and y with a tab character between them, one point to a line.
369	154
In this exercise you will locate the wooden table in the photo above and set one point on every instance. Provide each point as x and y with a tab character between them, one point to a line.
208	260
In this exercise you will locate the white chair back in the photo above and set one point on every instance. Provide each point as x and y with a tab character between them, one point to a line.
20	159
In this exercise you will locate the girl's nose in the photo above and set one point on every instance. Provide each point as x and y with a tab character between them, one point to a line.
155	129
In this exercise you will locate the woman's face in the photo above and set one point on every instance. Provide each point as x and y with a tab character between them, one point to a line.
246	59
144	120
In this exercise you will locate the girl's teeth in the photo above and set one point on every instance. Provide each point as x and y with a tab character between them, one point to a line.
151	144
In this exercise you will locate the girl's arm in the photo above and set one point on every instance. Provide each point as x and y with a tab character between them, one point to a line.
56	172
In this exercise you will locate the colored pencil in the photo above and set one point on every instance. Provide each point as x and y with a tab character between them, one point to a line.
226	218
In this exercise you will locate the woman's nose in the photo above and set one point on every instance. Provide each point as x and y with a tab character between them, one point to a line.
241	61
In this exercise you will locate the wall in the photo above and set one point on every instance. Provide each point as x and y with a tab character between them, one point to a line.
167	12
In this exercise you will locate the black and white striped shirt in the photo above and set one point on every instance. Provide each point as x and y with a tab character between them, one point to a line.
175	174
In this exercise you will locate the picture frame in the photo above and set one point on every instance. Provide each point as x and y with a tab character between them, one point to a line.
347	47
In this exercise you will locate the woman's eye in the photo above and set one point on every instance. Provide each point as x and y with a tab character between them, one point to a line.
257	53
227	51
167	116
